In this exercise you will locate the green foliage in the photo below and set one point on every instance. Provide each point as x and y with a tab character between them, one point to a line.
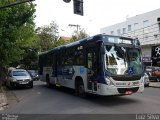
79	34
59	42
47	36
30	60
16	31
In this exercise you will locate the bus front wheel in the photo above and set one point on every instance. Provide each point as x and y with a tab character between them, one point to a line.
48	81
80	90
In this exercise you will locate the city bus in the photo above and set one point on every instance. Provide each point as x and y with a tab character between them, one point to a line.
102	65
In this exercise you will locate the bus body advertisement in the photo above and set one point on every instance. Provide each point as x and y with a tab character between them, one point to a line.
102	65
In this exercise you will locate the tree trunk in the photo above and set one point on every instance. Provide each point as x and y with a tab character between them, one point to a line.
3	75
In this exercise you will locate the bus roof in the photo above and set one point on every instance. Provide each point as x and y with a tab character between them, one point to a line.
98	37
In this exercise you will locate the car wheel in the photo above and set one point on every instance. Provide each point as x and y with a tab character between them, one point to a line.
31	85
158	79
146	85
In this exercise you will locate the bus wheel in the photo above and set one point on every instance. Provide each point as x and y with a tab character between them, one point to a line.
80	90
48	81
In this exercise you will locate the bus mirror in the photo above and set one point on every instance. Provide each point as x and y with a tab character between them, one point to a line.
136	42
143	67
102	50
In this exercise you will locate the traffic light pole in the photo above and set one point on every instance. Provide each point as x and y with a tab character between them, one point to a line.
15	3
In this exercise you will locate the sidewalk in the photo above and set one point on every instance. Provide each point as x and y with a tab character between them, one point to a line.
155	84
3	99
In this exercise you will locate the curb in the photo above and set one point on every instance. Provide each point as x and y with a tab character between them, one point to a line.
154	84
3	99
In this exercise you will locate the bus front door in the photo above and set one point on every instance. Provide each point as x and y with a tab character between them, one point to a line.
91	70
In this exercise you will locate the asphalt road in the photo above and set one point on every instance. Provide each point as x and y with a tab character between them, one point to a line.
43	100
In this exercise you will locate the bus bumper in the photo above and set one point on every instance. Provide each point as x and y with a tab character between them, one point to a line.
105	90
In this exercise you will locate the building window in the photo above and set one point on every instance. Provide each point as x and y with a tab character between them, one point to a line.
118	31
124	30
112	32
135	26
129	28
146	23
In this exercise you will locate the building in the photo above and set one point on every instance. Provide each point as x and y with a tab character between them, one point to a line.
66	39
145	27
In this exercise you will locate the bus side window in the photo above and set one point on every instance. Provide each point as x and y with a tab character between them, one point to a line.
92	62
79	57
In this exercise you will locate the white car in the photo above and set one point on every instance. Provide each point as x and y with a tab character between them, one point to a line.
146	80
18	78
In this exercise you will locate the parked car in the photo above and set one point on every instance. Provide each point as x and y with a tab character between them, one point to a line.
33	74
146	80
153	72
18	78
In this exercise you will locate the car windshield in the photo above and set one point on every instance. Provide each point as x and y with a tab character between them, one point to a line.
156	68
32	72
20	73
152	68
123	60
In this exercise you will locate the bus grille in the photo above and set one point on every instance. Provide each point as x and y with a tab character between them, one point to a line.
124	90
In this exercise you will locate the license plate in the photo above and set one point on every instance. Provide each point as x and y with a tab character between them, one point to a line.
121	84
23	83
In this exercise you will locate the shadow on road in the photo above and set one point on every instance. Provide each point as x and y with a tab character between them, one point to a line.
101	100
112	100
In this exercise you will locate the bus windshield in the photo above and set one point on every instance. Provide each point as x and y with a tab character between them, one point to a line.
123	60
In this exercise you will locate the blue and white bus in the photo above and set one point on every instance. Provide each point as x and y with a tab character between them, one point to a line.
102	65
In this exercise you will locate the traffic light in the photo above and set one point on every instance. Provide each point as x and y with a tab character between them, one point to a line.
67	1
78	7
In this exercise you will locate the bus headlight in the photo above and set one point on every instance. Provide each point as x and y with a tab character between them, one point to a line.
108	81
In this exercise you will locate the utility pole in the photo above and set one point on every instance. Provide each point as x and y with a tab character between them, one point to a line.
74	25
15	3
77	30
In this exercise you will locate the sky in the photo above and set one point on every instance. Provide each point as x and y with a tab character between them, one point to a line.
97	13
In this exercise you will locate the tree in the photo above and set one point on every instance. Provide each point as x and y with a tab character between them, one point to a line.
30	61
47	36
79	34
16	31
59	42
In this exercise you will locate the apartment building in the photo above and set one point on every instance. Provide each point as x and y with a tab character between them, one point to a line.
145	27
